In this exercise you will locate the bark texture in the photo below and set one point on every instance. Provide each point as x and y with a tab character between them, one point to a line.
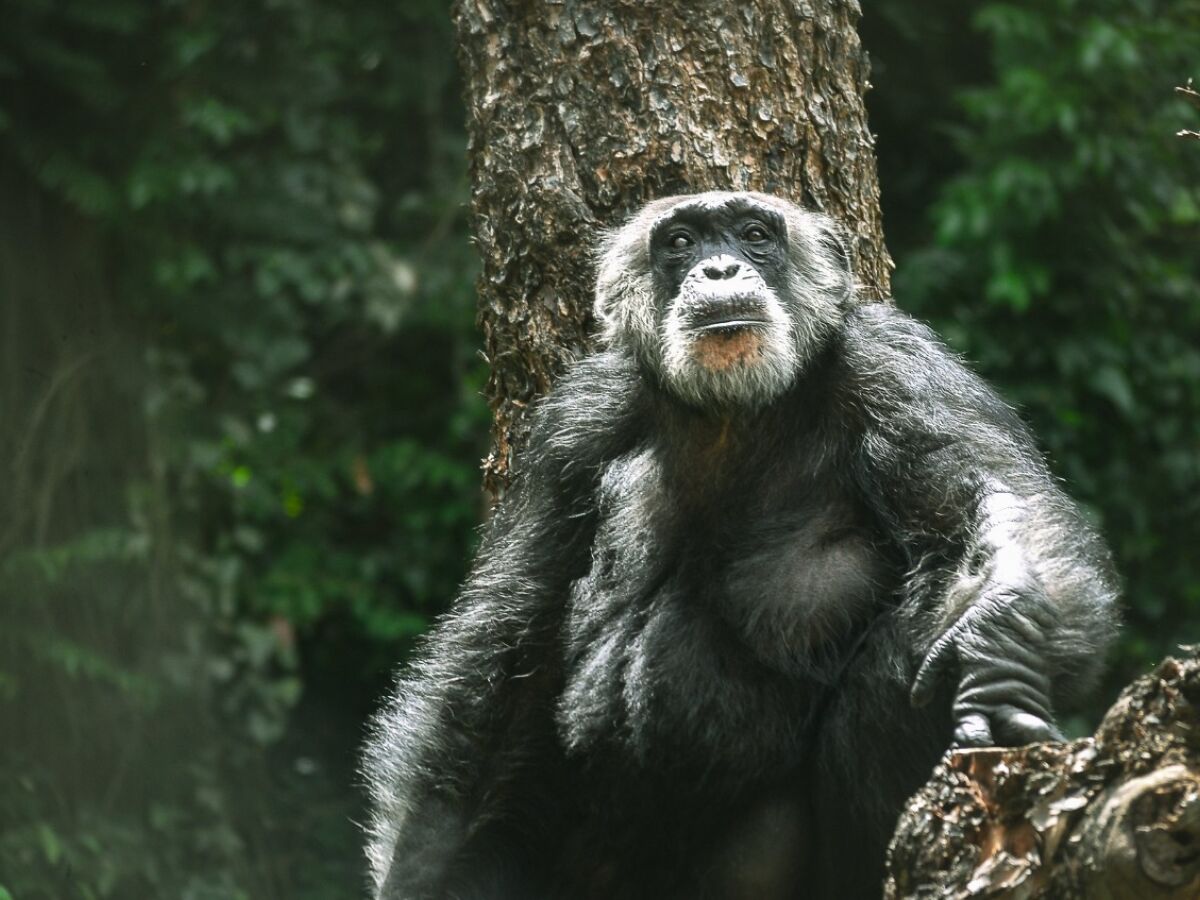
1114	817
579	111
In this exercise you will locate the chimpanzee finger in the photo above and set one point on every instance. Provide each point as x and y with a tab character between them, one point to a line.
1015	727
973	731
940	655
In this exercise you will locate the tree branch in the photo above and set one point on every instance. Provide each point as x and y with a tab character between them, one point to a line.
1192	96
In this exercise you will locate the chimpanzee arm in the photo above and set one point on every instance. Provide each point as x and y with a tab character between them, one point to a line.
467	713
439	746
1010	588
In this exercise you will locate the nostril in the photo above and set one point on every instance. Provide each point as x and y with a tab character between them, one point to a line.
716	273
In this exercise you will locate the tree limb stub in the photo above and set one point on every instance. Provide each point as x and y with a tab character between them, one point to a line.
1114	817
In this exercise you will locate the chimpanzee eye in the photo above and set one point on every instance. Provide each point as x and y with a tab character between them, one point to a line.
755	234
680	240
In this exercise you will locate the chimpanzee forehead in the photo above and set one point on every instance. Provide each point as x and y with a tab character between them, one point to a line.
718	209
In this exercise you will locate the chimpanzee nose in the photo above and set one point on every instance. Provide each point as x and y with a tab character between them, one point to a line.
717	271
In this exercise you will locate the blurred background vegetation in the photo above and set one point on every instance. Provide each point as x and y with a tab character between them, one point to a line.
240	422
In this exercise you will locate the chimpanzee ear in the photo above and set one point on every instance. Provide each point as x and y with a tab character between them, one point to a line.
835	241
821	254
605	295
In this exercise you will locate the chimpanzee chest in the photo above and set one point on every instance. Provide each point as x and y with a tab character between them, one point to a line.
713	635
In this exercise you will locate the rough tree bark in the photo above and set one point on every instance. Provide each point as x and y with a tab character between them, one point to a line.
579	112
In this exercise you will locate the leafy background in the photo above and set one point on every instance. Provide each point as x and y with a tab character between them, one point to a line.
239	380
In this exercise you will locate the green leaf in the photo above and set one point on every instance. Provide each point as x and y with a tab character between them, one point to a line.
48	840
1112	383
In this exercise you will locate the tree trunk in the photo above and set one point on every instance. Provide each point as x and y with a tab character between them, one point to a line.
582	110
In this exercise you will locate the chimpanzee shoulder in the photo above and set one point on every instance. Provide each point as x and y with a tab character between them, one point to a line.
896	362
592	415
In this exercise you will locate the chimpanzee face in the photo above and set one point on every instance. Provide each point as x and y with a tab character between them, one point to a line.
734	249
719	269
726	296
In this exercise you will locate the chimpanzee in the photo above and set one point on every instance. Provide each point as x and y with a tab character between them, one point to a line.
770	551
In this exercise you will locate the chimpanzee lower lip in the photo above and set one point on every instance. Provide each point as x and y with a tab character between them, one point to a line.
727	325
733	313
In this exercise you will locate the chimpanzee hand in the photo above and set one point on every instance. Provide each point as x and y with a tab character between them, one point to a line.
1003	695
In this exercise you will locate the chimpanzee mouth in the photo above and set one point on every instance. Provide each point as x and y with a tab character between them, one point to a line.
727	317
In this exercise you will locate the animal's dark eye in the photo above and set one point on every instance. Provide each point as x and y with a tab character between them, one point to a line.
755	234
679	240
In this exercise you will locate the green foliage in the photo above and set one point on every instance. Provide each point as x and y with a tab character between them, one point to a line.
270	481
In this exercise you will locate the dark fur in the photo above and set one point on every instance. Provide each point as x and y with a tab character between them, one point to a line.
681	664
